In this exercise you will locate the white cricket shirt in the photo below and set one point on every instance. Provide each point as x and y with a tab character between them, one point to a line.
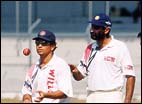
56	75
108	67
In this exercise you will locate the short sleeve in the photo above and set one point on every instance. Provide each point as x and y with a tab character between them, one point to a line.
64	79
126	62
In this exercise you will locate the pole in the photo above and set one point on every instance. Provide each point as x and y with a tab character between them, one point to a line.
29	24
90	10
30	28
17	27
17	16
90	15
107	7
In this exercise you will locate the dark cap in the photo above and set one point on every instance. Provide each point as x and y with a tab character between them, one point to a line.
46	35
101	20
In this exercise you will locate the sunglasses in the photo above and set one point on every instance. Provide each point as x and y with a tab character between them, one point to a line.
97	27
42	42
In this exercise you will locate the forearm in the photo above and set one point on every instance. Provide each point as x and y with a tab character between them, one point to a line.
129	88
77	75
75	72
27	98
55	95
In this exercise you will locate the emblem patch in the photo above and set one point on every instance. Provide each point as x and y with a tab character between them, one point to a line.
97	17
42	33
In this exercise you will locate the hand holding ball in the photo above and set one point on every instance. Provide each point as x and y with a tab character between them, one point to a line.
26	51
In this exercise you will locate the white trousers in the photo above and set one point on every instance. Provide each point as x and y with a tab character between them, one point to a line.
105	97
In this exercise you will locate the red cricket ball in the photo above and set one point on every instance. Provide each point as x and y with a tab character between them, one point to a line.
26	51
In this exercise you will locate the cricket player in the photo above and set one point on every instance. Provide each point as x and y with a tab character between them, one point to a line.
49	79
106	63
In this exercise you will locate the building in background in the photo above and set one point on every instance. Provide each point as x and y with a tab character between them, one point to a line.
63	16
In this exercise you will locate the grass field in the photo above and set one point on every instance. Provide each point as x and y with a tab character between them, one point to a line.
73	100
15	100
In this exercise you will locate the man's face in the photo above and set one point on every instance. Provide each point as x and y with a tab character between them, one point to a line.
43	47
97	32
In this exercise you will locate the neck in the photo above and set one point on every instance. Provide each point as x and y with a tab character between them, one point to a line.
45	59
104	42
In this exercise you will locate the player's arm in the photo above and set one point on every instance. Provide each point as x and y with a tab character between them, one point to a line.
53	95
27	88
129	88
27	98
76	73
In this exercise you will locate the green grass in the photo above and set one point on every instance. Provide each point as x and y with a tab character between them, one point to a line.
73	100
7	100
16	100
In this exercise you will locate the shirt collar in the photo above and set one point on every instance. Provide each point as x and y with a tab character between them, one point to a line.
50	63
109	45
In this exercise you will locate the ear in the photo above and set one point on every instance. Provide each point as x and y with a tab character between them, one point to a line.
53	47
107	30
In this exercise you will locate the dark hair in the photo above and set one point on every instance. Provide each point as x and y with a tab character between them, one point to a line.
54	43
139	35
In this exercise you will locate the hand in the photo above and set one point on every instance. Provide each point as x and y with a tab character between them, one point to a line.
27	101
73	68
40	97
127	101
27	98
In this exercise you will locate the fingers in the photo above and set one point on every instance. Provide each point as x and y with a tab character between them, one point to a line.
37	100
72	66
40	96
27	101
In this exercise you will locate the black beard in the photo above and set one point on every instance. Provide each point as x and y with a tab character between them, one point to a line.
97	37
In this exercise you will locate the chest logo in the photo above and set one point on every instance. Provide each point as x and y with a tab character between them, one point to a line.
109	58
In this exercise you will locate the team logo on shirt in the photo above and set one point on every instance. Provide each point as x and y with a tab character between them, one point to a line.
51	79
109	58
129	67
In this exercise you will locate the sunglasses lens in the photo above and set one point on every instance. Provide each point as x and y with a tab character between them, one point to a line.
42	42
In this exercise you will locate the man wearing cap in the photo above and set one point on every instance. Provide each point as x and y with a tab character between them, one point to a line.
49	79
106	63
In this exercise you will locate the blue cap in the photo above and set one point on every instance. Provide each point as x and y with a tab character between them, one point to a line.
46	35
101	20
